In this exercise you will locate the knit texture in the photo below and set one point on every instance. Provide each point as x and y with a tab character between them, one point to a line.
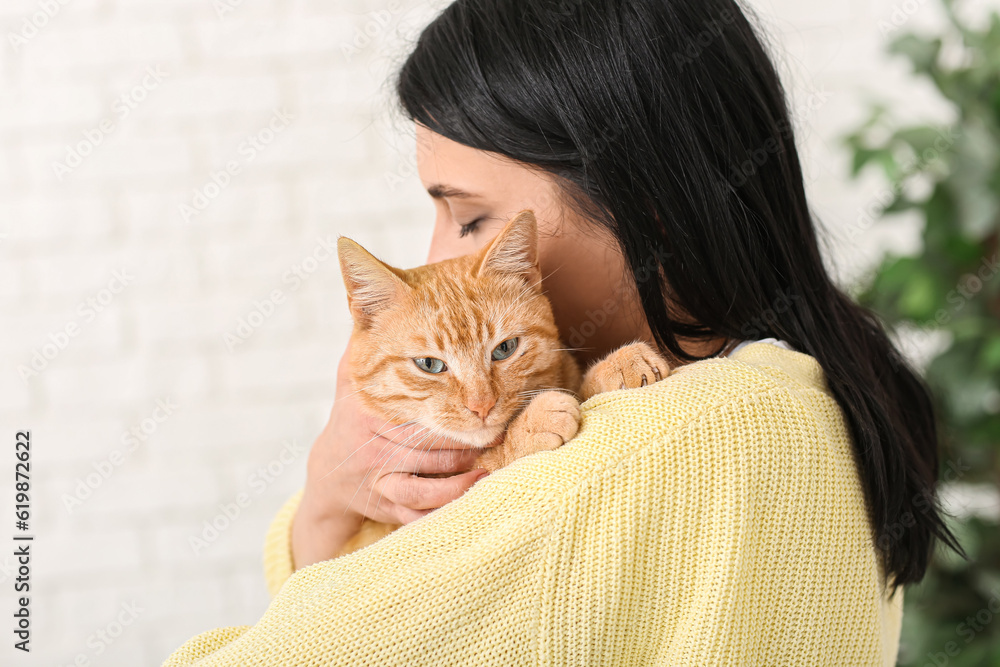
278	564
712	518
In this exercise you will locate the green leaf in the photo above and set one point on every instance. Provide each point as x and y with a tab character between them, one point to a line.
923	53
962	225
889	165
862	156
990	356
939	210
896	273
899	204
918	138
919	300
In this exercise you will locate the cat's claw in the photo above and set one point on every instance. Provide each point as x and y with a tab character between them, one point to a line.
626	368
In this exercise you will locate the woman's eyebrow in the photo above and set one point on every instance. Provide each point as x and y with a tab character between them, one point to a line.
444	191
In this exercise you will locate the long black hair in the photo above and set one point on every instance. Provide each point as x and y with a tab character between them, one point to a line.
666	123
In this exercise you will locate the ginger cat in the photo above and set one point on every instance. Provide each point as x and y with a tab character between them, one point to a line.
468	348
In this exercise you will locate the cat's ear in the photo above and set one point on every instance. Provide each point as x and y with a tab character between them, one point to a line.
515	250
371	284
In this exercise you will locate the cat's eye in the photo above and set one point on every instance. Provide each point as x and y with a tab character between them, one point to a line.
430	365
504	349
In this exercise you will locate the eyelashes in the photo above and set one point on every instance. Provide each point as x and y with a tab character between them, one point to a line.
469	227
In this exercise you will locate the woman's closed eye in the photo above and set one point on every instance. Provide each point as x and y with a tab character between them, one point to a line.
469	227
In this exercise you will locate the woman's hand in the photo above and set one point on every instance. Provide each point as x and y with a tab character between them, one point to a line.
361	466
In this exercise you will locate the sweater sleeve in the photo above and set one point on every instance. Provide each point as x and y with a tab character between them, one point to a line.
457	587
714	518
278	565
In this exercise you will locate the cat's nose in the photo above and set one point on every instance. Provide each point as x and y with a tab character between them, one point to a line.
481	405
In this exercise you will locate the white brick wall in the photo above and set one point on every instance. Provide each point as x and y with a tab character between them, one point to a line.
61	239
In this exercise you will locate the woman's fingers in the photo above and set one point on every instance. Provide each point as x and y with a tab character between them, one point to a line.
403	459
384	510
406	515
413	449
422	493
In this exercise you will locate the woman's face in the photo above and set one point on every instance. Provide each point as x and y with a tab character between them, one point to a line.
583	272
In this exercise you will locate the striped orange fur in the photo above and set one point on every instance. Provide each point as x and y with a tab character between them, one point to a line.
457	312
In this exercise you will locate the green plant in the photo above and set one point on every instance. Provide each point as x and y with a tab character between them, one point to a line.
950	178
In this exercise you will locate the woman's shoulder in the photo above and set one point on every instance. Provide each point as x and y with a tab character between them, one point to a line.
760	414
757	416
759	381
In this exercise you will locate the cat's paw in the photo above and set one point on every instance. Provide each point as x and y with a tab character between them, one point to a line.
634	365
552	418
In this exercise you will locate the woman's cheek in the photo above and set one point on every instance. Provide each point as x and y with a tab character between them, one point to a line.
446	243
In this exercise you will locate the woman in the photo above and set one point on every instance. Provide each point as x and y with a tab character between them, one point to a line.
763	505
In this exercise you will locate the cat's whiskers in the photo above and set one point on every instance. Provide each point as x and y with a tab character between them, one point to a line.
388	443
423	451
432	436
553	272
399	445
535	392
379	433
355	393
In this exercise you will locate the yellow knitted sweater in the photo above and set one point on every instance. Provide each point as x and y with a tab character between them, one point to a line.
713	518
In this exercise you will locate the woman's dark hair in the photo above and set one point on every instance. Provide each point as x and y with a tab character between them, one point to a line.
666	123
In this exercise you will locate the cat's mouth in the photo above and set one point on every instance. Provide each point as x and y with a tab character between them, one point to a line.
480	437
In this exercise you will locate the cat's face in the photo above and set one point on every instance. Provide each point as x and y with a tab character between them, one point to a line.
457	346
